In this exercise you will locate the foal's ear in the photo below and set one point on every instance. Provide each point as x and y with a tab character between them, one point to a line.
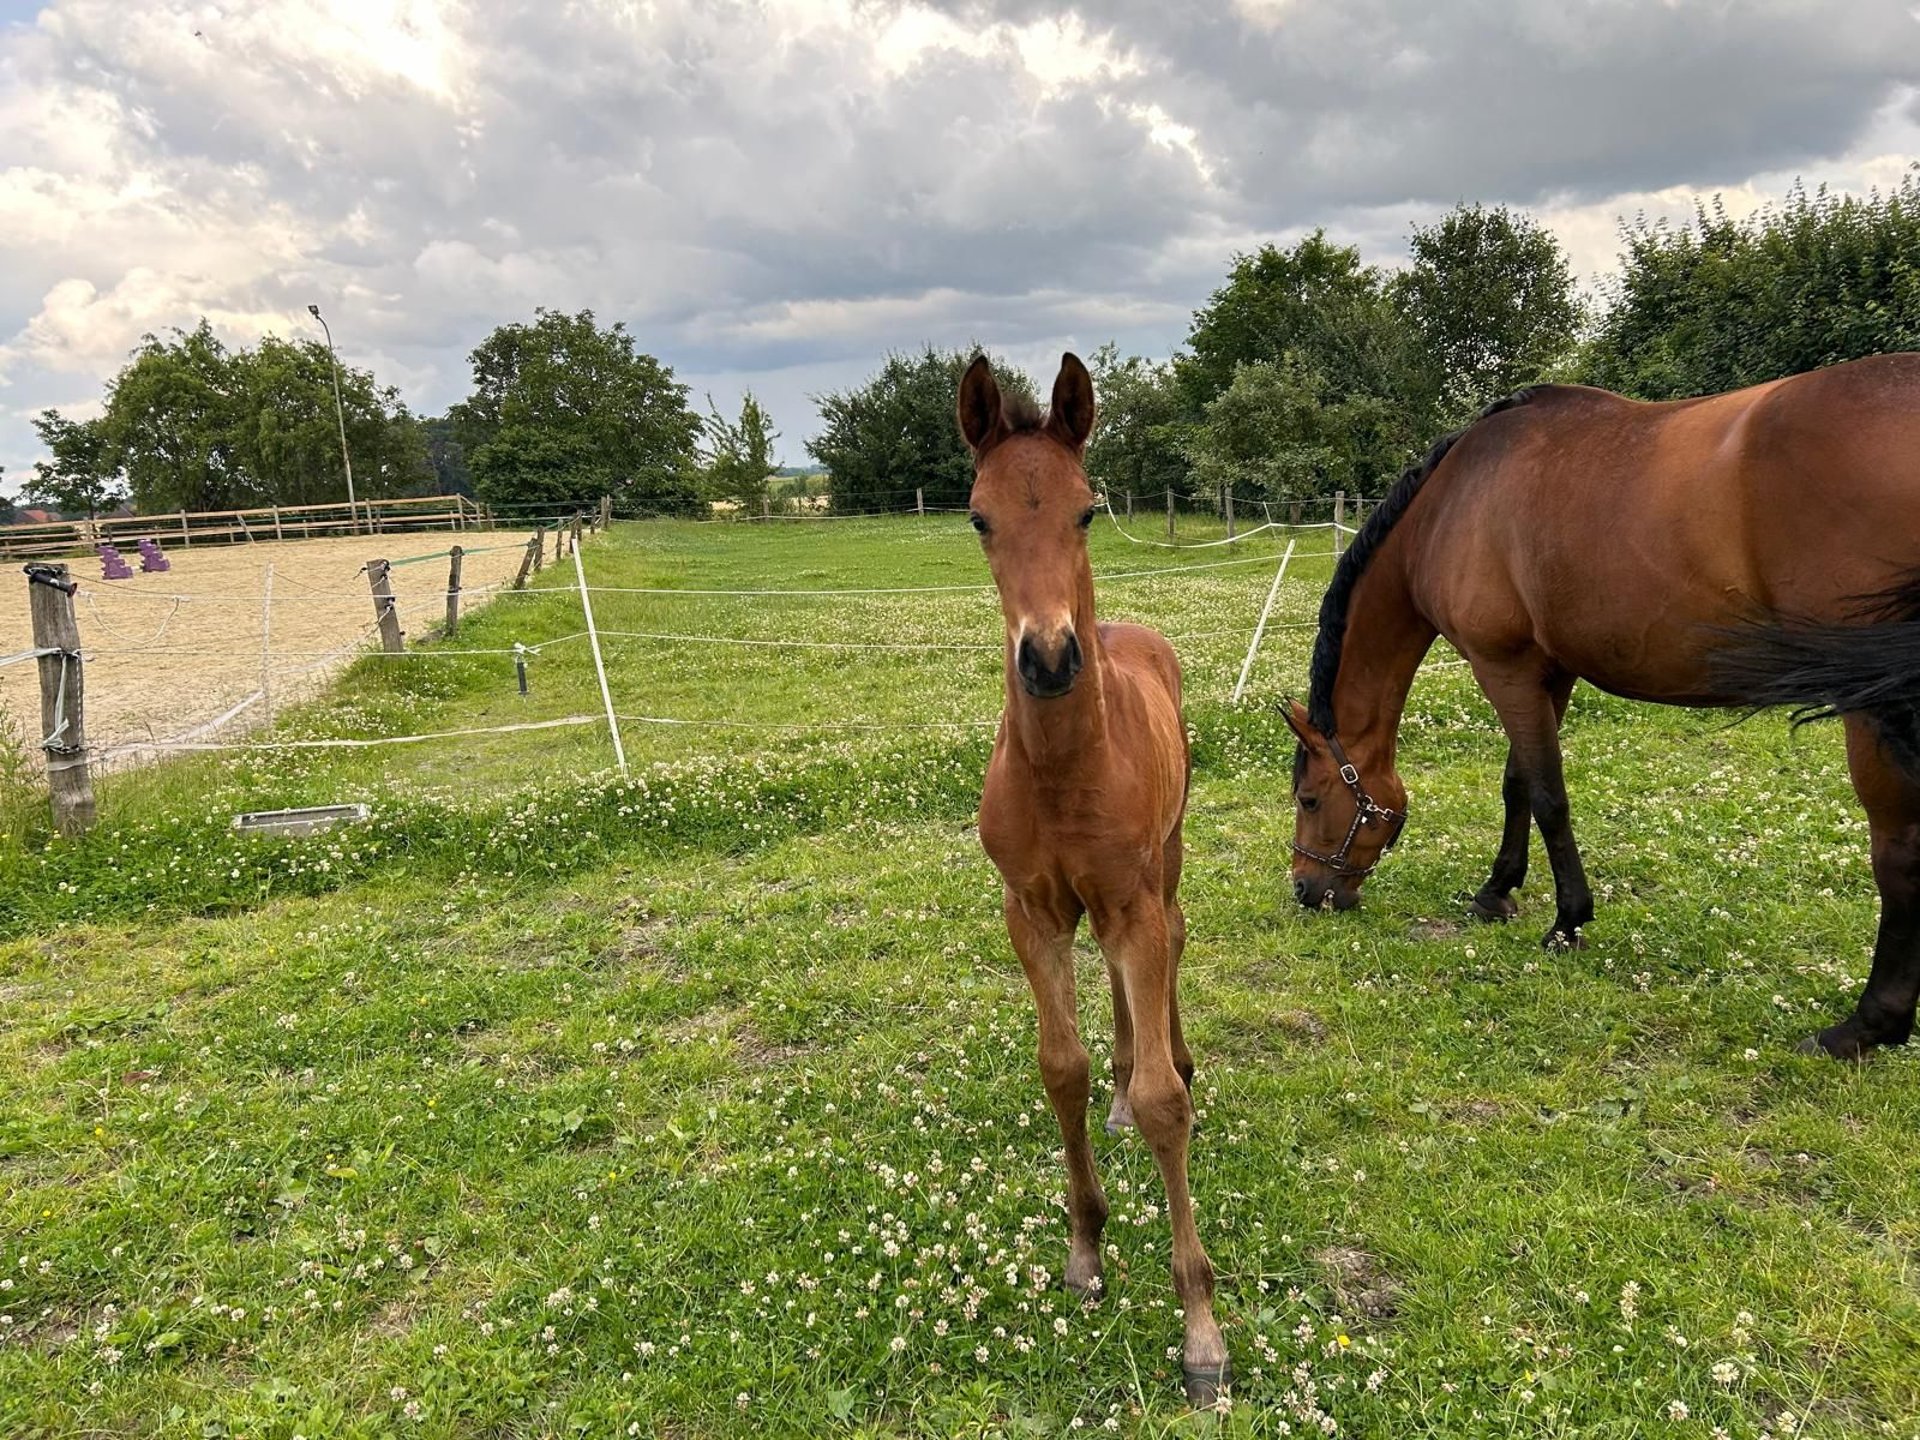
982	425
1070	417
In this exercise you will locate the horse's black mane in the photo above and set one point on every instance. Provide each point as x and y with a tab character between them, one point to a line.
1353	564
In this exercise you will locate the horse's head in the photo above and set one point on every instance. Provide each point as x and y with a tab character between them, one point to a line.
1344	820
1032	506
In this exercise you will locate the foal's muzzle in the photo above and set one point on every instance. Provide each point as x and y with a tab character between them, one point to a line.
1045	676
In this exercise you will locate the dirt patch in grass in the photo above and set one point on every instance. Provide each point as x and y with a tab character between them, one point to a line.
735	1029
1360	1284
1436	929
1302	1025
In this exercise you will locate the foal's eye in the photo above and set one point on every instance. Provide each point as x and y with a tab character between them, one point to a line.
1087	519
978	522
1309	803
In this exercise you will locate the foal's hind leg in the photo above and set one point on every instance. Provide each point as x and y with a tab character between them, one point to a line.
1044	943
1884	1014
1495	898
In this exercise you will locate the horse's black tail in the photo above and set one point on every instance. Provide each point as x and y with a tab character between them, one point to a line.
1868	665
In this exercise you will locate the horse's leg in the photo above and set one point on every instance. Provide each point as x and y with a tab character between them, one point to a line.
1120	1116
1884	1014
1173	855
1528	710
1137	942
1495	898
1044	944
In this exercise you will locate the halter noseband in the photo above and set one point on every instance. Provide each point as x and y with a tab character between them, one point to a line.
1365	810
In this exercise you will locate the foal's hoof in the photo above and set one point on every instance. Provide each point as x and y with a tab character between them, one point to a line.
1120	1117
1087	1284
1558	939
1494	909
1205	1384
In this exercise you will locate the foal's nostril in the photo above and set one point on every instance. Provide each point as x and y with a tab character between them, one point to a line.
1302	890
1074	660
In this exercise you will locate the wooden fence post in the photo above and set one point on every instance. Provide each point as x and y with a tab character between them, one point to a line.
1169	512
186	537
276	524
391	639
1339	519
919	500
62	696
576	531
529	560
453	590
606	511
1226	501
539	544
1129	505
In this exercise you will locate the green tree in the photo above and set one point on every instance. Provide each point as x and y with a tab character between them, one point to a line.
447	456
1277	432
1719	303
82	475
288	436
565	410
1317	300
737	456
1491	299
194	425
882	440
1328	316
1141	425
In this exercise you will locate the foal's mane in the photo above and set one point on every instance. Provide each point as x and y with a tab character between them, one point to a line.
1353	564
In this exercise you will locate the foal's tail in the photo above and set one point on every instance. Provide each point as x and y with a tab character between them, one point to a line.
1868	666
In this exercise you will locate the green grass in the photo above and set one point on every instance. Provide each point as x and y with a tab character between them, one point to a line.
705	1102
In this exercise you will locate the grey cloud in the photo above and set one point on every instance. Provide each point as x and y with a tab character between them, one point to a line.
763	190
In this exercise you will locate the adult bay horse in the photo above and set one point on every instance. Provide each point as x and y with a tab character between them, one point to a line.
1081	815
1756	548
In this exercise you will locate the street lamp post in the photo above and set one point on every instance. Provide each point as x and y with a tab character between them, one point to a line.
340	412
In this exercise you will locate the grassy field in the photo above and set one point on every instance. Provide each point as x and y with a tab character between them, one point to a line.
704	1102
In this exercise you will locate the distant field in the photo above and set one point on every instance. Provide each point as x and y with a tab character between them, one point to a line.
704	1102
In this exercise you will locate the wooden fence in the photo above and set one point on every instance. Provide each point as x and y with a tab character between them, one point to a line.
240	527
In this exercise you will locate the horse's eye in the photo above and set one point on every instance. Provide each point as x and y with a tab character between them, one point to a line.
1309	803
1087	519
978	522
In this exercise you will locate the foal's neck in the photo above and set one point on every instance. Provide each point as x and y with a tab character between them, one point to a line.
1386	639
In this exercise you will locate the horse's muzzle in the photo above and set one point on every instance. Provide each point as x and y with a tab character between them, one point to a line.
1046	677
1338	894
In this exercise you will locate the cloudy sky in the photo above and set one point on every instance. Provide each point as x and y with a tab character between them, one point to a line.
772	194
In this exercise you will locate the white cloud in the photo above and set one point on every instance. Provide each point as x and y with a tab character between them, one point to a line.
774	192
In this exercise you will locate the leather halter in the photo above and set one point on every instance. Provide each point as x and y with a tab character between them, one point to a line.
1365	811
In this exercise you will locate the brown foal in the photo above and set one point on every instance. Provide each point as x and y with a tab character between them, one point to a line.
1081	814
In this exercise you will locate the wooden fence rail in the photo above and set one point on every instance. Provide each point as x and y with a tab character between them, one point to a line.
240	527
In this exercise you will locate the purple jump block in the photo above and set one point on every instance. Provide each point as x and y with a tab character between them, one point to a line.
151	557
112	565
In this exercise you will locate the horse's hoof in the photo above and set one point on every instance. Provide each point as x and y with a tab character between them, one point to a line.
1205	1384
1119	1118
1559	939
1849	1040
1496	911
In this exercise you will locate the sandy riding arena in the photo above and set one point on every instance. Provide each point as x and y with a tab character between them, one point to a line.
187	652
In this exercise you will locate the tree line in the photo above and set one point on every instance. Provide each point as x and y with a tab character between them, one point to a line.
1308	371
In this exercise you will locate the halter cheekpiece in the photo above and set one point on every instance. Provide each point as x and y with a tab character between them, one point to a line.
1365	810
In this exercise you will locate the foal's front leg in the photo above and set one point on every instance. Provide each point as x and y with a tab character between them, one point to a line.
1138	946
1044	943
